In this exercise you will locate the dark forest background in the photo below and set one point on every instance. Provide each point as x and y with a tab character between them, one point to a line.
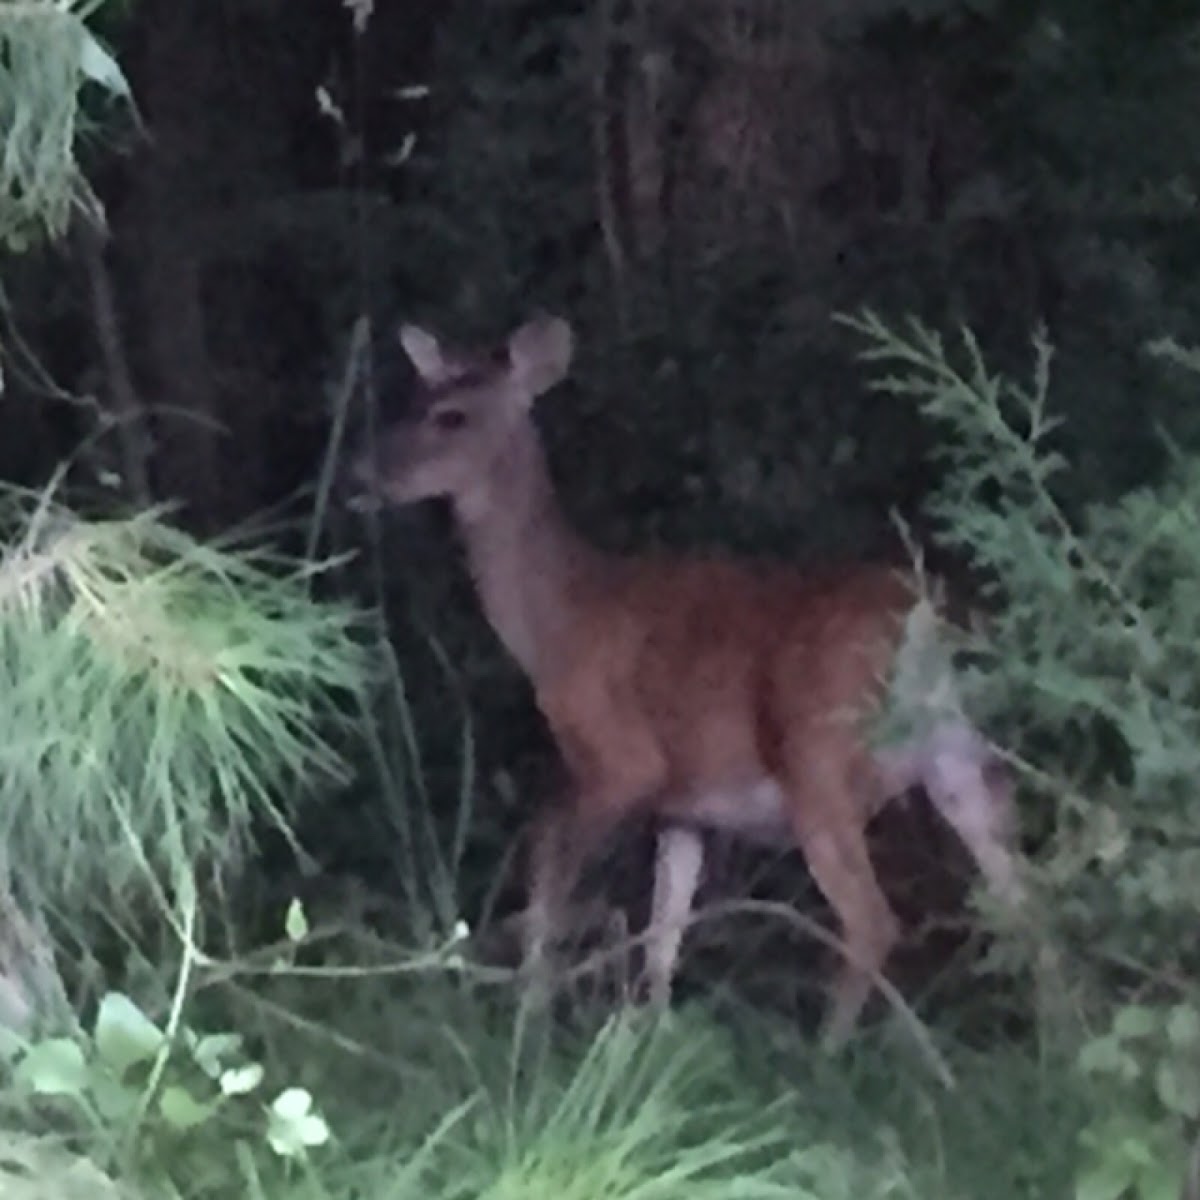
699	186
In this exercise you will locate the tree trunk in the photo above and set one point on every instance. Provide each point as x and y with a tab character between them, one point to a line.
169	207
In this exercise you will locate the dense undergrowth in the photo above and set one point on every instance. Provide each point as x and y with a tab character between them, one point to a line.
180	1021
216	1039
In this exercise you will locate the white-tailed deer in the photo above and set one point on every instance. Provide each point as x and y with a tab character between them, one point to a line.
709	692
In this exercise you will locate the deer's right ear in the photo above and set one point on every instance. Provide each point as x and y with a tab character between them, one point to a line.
540	353
425	353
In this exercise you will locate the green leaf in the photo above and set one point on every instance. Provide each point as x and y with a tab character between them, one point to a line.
124	1035
296	923
55	1067
212	1048
1101	1056
1162	1177
1183	1026
1136	1021
100	67
1107	1179
241	1080
115	1101
1138	1146
1178	1086
1160	1180
181	1110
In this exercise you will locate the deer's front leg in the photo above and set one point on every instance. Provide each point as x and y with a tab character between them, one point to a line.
616	765
565	837
679	860
549	888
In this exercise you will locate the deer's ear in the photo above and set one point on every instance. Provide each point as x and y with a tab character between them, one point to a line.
425	353
540	353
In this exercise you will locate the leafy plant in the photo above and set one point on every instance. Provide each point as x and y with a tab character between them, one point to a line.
1089	660
165	1099
1090	666
1146	1072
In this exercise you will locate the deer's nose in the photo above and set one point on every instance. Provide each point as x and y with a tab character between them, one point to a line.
356	483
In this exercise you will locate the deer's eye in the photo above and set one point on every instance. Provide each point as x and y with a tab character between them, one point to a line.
449	419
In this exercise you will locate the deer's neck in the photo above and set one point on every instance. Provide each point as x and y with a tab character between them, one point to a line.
527	562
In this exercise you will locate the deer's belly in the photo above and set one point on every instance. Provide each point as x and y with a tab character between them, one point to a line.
754	810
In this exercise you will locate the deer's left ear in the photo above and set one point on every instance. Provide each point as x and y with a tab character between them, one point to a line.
425	353
540	353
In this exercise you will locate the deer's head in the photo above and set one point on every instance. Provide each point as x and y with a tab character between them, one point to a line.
464	414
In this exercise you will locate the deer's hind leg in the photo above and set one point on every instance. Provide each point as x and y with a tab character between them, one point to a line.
828	819
972	791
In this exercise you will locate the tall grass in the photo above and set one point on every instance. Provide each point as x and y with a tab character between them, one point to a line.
161	697
456	1096
47	56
